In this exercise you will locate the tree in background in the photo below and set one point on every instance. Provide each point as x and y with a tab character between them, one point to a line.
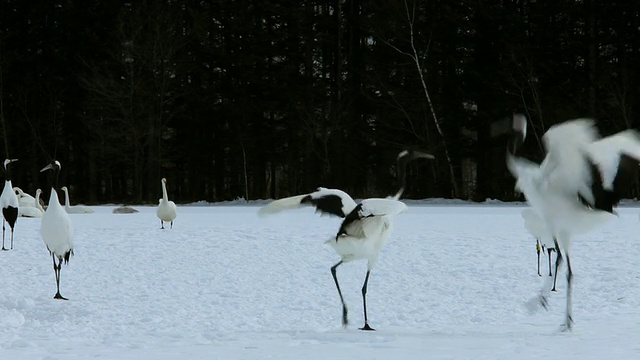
263	99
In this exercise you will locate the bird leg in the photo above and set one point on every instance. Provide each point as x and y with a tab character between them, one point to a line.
558	262
345	322
56	270
568	321
555	276
161	224
546	289
3	248
538	251
364	303
549	250
11	238
171	224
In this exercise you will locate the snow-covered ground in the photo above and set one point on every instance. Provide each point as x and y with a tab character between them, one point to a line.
451	283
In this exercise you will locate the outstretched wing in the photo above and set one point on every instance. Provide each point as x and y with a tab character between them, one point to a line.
614	163
279	205
382	207
565	167
326	201
614	154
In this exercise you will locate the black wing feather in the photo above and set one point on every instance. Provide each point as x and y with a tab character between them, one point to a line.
627	174
353	216
329	204
606	200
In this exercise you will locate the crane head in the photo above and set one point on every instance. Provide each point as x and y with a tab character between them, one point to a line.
8	161
54	165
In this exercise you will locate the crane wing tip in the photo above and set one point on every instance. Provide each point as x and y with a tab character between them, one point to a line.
279	205
268	210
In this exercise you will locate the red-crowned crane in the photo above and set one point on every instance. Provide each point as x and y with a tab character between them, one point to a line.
56	228
576	186
9	203
365	228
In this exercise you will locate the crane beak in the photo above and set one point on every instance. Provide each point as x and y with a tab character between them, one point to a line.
53	165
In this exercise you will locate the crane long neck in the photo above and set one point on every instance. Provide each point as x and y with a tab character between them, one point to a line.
38	199
54	185
165	197
66	198
54	178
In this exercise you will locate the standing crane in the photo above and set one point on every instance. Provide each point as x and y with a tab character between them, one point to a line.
56	228
9	203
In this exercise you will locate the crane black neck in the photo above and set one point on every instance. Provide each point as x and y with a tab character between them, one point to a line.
53	177
56	175
7	173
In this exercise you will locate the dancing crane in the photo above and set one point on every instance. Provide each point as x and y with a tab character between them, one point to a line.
365	228
577	185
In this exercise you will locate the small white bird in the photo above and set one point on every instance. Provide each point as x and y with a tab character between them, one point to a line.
364	230
76	209
544	239
27	204
24	199
167	210
576	186
56	229
38	201
9	203
30	212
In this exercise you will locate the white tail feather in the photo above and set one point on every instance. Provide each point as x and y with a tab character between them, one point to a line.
605	153
279	205
382	207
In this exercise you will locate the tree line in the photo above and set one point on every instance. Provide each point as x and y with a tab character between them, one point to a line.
263	98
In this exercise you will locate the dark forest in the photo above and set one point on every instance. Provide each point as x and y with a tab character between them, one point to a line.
264	99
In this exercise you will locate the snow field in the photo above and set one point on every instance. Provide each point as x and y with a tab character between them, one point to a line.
451	283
